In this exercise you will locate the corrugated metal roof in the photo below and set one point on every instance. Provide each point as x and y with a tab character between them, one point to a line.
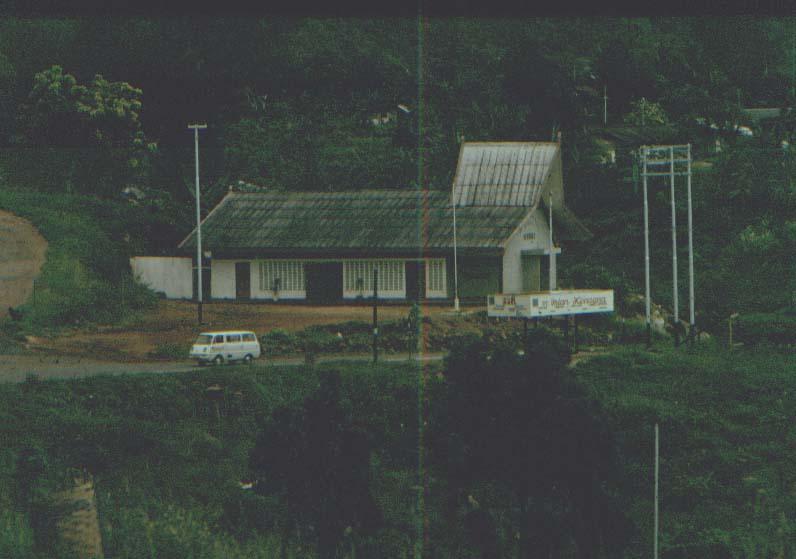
357	220
502	173
762	113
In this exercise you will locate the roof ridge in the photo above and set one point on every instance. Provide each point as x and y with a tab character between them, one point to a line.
512	143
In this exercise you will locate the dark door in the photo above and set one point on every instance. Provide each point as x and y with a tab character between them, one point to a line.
324	282
544	273
531	273
242	280
415	280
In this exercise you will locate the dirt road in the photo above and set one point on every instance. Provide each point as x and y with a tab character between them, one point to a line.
22	251
173	323
16	368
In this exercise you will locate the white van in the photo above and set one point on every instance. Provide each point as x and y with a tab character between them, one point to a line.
220	347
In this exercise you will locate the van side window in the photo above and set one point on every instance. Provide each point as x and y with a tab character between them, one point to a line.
249	338
218	340
233	338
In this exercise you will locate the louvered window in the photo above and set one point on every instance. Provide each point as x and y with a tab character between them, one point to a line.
282	276
358	278
436	279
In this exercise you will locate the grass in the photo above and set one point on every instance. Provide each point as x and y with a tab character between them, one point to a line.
167	461
728	447
86	276
167	456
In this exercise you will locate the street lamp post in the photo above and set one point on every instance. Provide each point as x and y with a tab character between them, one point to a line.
196	128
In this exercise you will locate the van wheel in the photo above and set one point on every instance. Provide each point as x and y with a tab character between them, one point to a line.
218	360
248	359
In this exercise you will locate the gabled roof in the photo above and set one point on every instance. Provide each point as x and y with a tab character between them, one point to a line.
502	173
765	113
397	220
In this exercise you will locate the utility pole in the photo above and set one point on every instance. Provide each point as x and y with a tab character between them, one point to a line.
552	280
605	105
692	321
646	248
643	110
196	128
455	261
656	519
675	301
670	156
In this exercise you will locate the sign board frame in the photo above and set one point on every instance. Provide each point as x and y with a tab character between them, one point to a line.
539	304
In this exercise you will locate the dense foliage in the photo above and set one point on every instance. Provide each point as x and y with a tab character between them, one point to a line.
514	421
96	106
726	447
168	455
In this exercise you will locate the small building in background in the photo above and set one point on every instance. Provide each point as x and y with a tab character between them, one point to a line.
269	245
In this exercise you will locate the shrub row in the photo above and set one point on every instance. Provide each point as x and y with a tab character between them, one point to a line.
778	328
348	337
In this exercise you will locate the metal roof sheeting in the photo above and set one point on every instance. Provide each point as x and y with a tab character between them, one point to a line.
502	173
358	220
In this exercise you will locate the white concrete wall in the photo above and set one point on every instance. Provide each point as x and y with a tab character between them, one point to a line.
165	274
222	282
533	234
222	279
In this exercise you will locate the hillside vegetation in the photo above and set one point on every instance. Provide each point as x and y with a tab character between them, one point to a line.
168	455
93	107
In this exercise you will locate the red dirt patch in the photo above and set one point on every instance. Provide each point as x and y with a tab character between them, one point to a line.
22	251
175	322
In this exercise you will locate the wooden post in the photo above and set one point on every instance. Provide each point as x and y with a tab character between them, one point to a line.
575	335
375	314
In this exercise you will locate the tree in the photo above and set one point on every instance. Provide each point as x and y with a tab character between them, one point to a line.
318	462
644	112
7	101
103	118
516	420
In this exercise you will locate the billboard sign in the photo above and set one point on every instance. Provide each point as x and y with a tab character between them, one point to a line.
550	303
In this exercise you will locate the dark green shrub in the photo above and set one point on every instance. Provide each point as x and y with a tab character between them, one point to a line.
774	328
279	342
169	350
318	340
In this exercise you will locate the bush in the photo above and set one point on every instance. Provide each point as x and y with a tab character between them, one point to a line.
169	350
279	342
16	536
316	339
774	328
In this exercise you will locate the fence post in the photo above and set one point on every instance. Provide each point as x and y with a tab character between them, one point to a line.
375	314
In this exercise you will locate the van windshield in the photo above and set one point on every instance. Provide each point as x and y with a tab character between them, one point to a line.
203	339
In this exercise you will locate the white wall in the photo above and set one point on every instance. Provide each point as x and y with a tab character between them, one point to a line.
222	279
165	274
533	234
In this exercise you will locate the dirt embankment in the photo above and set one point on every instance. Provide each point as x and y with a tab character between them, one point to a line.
22	250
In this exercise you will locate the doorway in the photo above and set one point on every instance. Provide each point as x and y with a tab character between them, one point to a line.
415	280
324	282
243	280
531	272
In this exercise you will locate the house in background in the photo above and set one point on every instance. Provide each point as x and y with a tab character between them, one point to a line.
322	247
